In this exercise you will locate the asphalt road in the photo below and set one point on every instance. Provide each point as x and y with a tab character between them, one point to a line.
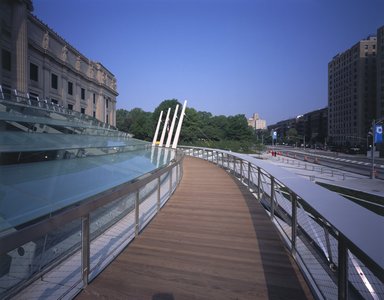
351	163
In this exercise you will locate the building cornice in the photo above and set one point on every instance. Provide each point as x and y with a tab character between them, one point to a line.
51	56
55	35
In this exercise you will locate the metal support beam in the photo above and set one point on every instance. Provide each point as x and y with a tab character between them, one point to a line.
164	128
170	133
157	129
178	129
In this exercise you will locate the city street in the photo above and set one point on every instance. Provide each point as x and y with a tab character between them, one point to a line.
351	163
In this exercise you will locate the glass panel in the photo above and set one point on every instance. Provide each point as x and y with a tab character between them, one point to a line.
148	203
22	263
112	227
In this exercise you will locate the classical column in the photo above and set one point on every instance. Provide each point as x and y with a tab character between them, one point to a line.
20	44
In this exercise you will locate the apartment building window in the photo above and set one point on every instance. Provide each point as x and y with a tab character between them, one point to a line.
33	72
54	81
82	94
70	88
6	59
70	106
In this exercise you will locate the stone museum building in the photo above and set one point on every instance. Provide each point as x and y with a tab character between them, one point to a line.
37	62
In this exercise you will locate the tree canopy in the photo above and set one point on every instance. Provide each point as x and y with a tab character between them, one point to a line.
200	128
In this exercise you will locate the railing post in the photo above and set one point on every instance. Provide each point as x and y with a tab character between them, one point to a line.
234	165
258	183
249	175
170	182
137	217
272	197
241	170
328	242
342	269
85	245
217	157
158	194
177	174
294	223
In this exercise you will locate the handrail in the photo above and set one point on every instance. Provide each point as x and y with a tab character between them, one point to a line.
12	240
157	185
25	101
319	227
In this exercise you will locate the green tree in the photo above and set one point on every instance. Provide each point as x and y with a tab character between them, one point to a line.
238	128
140	124
136	122
292	136
121	120
163	106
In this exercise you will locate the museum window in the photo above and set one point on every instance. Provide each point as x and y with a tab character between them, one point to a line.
54	81
70	88
70	106
6	59
33	72
82	94
82	110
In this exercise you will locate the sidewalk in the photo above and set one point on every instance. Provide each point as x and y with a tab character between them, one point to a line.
328	175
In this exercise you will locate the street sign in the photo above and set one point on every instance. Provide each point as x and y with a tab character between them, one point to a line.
274	135
378	134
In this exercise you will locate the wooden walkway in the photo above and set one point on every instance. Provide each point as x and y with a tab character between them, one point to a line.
212	240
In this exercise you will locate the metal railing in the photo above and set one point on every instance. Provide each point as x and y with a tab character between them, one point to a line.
56	256
337	244
43	110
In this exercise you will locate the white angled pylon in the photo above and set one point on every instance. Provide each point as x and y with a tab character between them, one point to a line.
170	133
157	130
178	130
164	128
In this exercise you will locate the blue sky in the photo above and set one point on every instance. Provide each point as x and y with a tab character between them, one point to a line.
226	57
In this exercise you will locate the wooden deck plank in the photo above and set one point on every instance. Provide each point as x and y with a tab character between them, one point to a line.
212	240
